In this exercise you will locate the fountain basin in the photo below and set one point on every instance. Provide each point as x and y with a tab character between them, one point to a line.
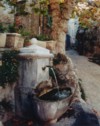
49	109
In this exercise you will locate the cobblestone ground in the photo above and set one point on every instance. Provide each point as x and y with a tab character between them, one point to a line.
90	74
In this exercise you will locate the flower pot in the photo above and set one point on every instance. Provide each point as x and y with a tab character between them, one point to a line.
2	40
42	44
14	40
27	44
51	45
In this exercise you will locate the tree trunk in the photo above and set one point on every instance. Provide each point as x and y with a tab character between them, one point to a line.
60	16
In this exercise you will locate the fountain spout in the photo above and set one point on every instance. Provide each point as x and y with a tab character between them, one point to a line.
43	68
51	67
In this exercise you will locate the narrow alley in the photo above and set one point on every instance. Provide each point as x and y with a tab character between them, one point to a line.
90	74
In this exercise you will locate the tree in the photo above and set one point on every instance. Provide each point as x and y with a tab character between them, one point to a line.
88	13
60	15
60	11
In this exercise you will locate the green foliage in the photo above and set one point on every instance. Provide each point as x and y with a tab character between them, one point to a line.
11	28
2	28
20	6
42	9
82	90
10	2
36	10
43	37
88	13
20	9
24	33
49	23
9	68
44	2
15	7
6	105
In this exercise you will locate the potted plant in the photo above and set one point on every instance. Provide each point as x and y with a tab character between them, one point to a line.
2	40
14	40
2	36
49	43
26	35
27	42
8	77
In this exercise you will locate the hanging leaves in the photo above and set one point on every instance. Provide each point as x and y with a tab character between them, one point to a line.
88	13
9	68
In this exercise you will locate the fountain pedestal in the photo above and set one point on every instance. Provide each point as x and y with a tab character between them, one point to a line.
31	59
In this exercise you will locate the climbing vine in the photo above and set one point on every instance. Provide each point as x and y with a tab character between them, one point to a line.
88	13
9	67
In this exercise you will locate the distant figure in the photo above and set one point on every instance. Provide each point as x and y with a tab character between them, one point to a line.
72	42
80	38
67	41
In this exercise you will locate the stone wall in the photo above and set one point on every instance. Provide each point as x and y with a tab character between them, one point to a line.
22	22
32	22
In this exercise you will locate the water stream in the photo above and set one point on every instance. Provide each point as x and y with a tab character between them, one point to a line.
56	94
57	86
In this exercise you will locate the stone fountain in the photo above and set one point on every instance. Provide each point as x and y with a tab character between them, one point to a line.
46	106
36	97
49	107
31	59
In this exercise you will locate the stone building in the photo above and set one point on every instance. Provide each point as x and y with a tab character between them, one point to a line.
32	22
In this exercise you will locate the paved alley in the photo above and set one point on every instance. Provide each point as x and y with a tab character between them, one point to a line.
90	74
